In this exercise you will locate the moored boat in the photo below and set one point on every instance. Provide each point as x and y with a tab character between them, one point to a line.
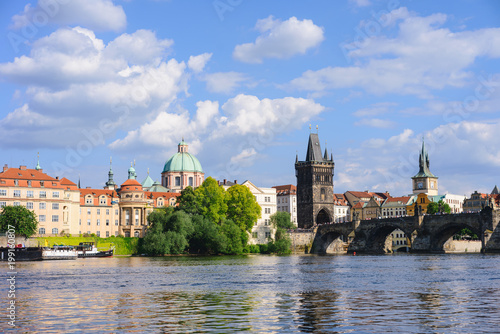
59	253
21	253
88	249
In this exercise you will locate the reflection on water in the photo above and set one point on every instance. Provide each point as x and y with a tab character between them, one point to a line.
260	294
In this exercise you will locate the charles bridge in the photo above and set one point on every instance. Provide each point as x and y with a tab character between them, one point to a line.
425	233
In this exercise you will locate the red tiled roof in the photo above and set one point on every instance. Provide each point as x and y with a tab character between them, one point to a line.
285	189
403	199
25	174
131	182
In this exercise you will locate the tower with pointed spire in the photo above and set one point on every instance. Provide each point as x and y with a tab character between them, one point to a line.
314	185
110	184
424	182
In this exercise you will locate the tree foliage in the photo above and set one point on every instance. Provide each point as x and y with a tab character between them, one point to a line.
187	201
211	200
438	207
282	219
23	220
242	208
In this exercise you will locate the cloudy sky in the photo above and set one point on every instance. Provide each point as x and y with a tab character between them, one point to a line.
241	81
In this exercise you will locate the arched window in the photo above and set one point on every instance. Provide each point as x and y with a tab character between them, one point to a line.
323	194
136	234
177	181
127	234
191	181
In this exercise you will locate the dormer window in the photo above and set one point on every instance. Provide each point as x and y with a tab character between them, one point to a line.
16	182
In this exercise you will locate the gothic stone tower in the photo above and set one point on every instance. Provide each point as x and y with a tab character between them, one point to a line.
314	186
424	182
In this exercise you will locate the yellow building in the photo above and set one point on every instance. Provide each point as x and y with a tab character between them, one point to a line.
422	201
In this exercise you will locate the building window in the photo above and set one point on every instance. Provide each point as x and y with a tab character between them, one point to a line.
42	184
136	217
98	233
3	192
116	222
43	194
255	235
136	234
2	204
41	230
41	218
55	230
98	222
30	194
103	200
127	234
107	212
55	194
79	222
266	222
116	233
88	200
268	235
107	222
17	203
267	210
191	181
177	181
55	219
16	182
88	222
98	211
29	205
55	206
88	211
107	234
17	193
116	211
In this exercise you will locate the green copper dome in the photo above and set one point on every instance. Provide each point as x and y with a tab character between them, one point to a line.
182	161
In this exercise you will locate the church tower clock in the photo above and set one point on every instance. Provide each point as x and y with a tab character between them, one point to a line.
314	186
424	182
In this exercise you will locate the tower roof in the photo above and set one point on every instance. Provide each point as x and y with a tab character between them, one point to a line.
423	162
314	148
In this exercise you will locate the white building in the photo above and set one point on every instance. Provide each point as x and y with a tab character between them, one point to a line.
341	209
266	198
287	200
456	202
395	206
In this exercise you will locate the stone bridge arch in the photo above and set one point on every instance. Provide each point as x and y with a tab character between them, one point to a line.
375	240
447	230
327	238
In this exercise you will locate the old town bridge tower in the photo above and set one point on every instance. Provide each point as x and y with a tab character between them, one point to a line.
314	185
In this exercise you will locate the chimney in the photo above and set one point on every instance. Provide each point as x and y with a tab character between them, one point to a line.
224	182
5	167
235	181
88	188
22	167
57	177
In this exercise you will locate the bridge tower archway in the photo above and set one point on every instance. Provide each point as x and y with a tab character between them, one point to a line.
323	217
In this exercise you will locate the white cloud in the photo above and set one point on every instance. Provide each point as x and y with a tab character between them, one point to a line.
360	3
376	123
223	82
247	114
100	15
73	75
280	39
382	164
197	63
422	57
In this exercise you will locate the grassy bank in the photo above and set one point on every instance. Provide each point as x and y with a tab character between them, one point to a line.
123	246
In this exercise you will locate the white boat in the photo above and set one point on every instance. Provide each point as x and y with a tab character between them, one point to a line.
88	249
59	253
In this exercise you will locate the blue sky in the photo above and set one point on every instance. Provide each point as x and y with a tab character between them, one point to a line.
241	81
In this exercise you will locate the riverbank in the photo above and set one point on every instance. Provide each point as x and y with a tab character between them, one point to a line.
122	246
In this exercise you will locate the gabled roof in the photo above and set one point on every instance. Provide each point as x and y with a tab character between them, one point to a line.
23	173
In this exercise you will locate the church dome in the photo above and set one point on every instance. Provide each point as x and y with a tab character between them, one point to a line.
183	161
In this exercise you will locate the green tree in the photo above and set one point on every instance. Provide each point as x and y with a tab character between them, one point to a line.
188	202
242	207
440	207
206	238
282	243
232	240
211	200
169	232
21	219
282	219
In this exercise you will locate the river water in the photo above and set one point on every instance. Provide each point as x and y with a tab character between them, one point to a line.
258	294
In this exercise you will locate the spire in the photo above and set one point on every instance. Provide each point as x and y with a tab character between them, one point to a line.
313	148
79	181
495	191
423	163
110	184
296	158
38	162
325	157
131	172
